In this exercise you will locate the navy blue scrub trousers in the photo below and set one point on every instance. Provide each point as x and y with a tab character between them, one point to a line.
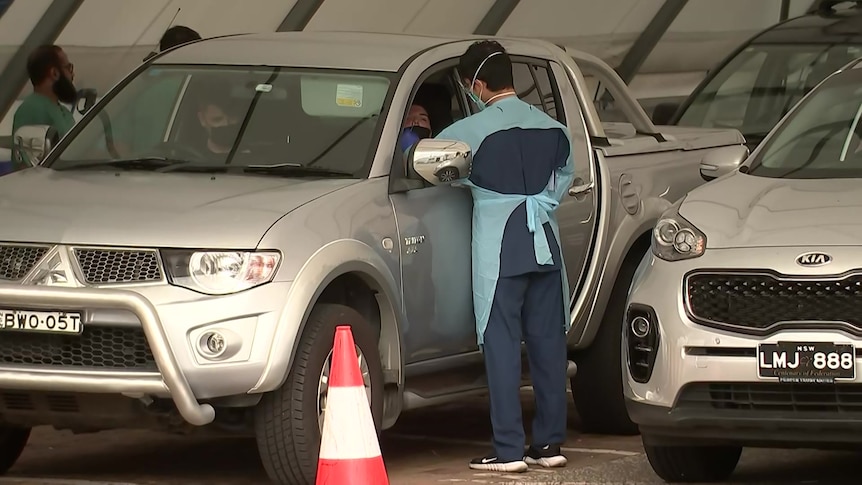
527	307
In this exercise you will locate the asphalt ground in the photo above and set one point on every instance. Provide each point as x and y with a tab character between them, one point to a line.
430	446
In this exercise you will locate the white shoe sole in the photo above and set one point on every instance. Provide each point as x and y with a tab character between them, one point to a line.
511	467
549	462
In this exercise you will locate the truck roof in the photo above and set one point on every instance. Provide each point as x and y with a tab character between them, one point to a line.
340	50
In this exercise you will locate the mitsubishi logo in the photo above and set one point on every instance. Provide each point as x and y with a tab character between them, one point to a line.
55	269
813	259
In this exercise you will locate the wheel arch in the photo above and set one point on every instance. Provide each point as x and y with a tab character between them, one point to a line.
324	277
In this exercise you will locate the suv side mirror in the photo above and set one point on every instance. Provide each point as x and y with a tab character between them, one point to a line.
32	142
86	100
663	112
722	161
441	161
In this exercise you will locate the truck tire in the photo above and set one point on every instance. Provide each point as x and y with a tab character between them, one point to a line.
693	464
12	443
287	425
597	387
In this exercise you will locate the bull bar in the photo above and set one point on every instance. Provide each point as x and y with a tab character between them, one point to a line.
170	378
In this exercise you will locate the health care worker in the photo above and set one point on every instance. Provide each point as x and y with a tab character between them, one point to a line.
522	167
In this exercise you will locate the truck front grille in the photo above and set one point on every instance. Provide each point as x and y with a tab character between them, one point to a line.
837	399
97	347
16	261
762	303
100	266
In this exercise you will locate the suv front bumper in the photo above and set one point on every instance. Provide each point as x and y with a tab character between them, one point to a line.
172	327
702	383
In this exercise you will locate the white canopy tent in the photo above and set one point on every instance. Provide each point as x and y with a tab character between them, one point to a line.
663	46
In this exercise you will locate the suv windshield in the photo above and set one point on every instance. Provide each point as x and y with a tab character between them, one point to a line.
753	91
822	138
242	118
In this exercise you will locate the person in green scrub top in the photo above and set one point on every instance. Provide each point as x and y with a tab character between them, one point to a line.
52	76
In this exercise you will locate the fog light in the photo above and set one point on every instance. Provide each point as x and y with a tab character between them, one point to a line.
642	341
640	327
213	344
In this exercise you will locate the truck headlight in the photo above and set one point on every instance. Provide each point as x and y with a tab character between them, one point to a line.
220	272
674	238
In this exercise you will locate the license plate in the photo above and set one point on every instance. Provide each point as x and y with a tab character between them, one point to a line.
40	321
807	362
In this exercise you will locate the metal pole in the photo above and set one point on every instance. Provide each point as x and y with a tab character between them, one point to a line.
300	15
648	39
785	10
46	31
496	17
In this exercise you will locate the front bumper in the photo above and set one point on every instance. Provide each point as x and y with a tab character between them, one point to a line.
172	320
704	382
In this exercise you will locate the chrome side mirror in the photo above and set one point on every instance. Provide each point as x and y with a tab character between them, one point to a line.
722	161
32	142
441	161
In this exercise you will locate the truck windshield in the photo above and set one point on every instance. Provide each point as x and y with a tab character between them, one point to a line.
761	83
218	116
822	138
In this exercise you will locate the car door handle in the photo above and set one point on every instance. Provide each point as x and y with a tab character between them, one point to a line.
581	189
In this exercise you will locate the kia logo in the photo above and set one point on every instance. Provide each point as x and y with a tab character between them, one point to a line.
813	259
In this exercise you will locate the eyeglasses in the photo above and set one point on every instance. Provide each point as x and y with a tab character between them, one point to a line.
69	66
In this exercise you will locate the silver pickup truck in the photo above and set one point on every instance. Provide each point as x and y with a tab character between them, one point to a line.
181	258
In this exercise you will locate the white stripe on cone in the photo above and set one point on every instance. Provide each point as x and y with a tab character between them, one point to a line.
348	428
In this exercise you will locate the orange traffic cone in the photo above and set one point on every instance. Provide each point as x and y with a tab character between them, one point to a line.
349	451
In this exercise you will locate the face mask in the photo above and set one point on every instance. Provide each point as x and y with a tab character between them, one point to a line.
475	97
411	135
224	136
65	90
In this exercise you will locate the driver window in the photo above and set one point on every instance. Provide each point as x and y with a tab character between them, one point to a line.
435	105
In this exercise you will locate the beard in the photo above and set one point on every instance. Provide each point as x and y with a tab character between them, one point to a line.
65	90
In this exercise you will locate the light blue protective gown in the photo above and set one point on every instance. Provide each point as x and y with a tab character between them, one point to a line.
491	210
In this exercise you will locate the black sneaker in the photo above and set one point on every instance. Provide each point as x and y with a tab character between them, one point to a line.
548	456
492	464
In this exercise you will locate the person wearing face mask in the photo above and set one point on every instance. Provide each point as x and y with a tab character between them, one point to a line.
52	76
417	126
522	167
219	117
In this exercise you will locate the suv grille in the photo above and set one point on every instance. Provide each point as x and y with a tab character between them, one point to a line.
101	266
758	303
769	397
17	261
96	347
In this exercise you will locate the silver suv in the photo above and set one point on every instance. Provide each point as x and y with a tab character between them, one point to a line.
743	323
182	257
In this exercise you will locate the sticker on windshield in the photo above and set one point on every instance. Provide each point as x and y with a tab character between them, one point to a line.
263	88
349	95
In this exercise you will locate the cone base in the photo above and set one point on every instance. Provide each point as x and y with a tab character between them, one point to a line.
363	471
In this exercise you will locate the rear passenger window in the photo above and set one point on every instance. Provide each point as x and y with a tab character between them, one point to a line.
534	84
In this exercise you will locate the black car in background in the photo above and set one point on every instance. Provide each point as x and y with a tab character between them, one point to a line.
761	80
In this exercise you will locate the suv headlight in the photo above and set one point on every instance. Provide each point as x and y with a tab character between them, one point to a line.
675	239
220	272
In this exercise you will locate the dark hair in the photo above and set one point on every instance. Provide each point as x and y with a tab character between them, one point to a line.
215	91
176	35
497	70
40	62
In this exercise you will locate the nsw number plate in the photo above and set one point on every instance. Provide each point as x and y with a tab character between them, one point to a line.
40	321
807	362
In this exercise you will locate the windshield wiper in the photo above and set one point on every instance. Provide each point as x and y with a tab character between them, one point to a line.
286	169
294	169
139	163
